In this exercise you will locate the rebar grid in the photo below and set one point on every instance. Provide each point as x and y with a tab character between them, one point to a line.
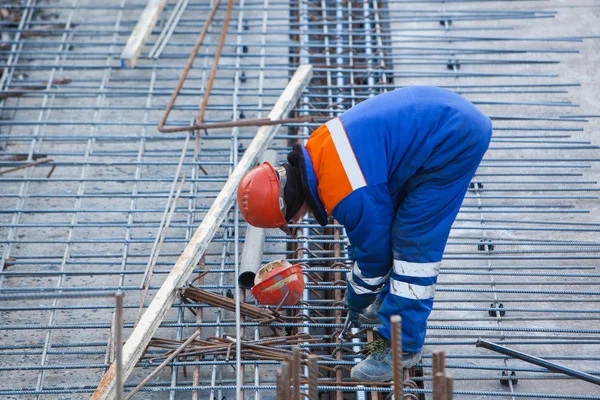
92	224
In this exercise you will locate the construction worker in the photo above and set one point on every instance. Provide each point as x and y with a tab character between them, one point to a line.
393	170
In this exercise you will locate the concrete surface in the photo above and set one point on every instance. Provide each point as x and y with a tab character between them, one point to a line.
131	88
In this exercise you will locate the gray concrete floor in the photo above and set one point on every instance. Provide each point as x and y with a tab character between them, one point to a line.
574	18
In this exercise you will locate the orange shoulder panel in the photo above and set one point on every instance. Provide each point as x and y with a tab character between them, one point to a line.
333	181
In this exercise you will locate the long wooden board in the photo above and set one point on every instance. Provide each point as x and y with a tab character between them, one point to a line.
150	321
141	32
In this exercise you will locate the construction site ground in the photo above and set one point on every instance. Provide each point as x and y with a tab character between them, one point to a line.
92	224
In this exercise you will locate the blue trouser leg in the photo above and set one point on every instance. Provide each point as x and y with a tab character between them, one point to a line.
384	291
419	235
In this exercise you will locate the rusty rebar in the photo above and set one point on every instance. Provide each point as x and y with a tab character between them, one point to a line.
283	387
23	90
199	125
237	124
449	388
199	314
262	349
52	168
118	343
215	64
439	386
313	378
370	337
186	70
22	157
279	384
438	366
32	164
438	362
167	360
339	395
203	296
296	372
397	356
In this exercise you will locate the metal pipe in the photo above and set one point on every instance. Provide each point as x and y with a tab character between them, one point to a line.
252	254
538	361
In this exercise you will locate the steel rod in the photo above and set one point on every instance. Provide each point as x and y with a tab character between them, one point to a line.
538	361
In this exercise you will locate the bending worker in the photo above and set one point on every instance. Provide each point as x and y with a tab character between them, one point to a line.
393	170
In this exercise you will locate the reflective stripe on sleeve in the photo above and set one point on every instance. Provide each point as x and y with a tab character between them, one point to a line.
346	154
418	270
411	291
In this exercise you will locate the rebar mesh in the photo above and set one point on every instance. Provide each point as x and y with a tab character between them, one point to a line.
521	264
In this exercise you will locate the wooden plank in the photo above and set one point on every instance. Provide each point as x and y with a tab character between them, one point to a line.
141	32
145	329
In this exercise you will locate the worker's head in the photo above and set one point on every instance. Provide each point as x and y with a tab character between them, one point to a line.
269	197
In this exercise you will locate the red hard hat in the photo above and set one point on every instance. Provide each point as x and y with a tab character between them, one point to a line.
275	281
258	197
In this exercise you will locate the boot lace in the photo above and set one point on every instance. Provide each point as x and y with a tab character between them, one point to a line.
377	347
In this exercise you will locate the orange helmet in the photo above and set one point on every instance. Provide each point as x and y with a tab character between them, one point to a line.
279	282
260	196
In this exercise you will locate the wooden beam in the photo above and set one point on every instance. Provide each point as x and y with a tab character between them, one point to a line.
145	329
141	32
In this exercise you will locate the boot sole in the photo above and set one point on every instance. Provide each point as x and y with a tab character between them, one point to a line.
362	377
368	321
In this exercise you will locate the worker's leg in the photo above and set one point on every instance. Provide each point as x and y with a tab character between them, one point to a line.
370	315
419	236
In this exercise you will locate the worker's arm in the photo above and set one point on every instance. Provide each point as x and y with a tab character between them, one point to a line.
367	214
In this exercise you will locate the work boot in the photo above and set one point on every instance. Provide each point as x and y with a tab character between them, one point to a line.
379	366
369	315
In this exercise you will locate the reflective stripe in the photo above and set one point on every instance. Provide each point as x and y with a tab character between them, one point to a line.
369	281
412	291
357	288
419	270
346	154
